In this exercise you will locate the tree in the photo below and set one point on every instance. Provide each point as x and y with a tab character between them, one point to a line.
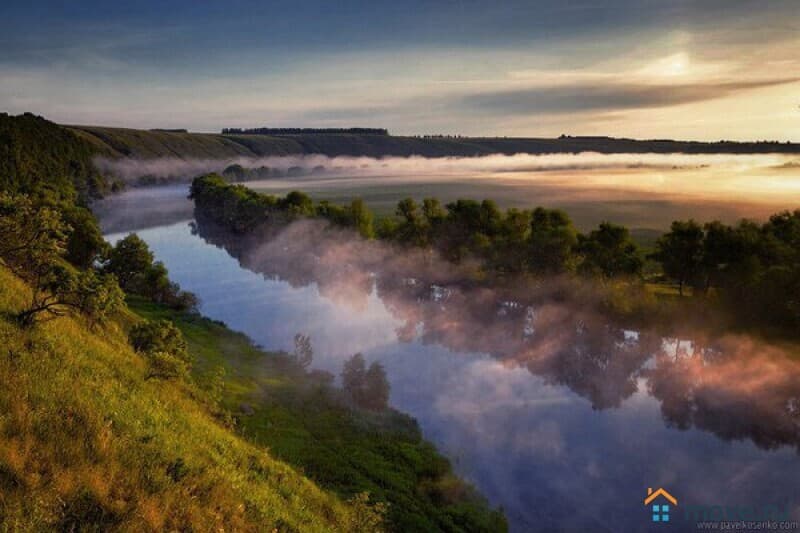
375	395
99	296
722	251
53	289
132	263
366	517
158	335
353	376
511	243
235	172
552	242
433	212
31	237
680	252
303	351
164	347
608	251
85	242
368	388
129	260
297	204
411	230
32	245
361	218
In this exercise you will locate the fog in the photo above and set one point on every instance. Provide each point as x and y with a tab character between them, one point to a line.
557	329
763	177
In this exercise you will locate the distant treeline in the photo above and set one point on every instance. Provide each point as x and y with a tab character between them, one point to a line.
304	131
171	130
750	270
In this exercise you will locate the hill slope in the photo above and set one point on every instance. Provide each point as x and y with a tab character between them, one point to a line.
146	144
89	442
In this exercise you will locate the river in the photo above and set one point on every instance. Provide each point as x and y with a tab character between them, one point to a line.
562	419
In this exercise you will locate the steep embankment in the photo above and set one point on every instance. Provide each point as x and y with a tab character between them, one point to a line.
122	142
86	441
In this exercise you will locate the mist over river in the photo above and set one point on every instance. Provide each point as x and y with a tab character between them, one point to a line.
559	416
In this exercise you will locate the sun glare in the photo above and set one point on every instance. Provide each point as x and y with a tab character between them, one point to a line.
667	67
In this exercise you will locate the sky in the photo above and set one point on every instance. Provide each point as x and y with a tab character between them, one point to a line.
704	70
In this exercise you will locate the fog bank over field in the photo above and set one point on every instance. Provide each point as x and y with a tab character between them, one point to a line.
642	191
760	178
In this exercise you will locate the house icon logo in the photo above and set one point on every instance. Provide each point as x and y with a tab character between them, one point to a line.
660	500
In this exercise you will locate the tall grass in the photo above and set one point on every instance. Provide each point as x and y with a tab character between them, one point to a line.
88	443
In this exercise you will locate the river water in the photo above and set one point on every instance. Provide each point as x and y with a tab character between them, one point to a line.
558	416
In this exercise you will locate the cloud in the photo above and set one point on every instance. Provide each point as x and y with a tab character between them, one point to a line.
604	97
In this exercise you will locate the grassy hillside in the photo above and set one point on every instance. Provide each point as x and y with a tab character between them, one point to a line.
38	157
87	443
122	142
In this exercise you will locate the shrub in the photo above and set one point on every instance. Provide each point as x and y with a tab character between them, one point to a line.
162	343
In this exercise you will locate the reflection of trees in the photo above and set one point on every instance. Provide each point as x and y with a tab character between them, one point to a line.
735	394
593	359
731	389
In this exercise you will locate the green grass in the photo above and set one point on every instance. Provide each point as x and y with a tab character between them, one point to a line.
309	425
86	442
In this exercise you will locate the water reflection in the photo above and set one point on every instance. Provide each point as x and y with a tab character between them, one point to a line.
552	333
556	413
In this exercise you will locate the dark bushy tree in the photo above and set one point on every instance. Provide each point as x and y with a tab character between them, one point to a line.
353	376
609	252
368	387
131	261
552	242
680	252
376	388
32	244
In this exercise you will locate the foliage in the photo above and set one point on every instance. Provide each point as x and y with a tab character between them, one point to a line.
753	269
368	387
100	297
44	160
32	244
132	262
680	252
552	241
158	336
609	252
164	347
129	260
85	242
29	235
366	518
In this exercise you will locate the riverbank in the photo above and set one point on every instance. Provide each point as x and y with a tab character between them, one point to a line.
306	421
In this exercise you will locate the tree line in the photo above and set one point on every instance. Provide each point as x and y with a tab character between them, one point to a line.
304	131
751	270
